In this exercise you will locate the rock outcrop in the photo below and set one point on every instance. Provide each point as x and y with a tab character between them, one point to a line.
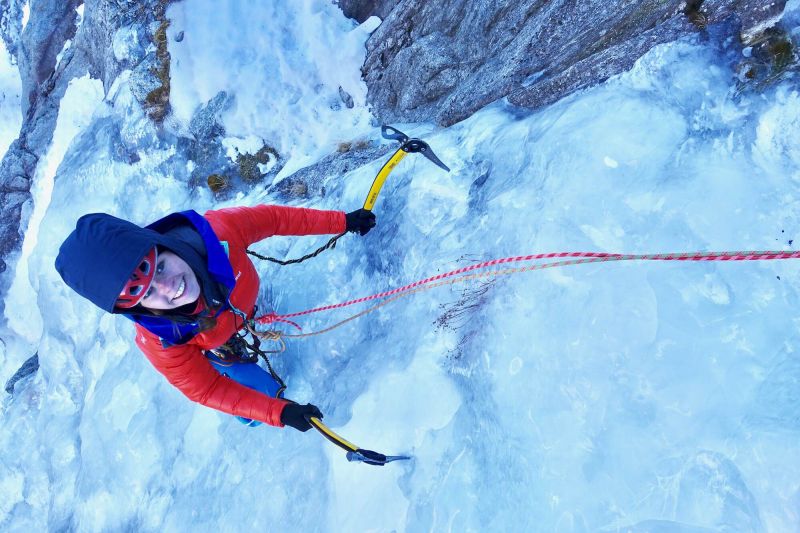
28	368
52	23
361	10
309	182
442	61
54	47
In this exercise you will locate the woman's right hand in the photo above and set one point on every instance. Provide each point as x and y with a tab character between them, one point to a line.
360	221
296	415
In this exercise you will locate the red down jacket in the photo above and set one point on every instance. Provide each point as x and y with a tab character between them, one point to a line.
185	366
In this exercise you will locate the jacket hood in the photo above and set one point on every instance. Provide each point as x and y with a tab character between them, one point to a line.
97	259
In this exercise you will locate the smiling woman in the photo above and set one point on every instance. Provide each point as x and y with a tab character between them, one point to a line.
187	283
173	283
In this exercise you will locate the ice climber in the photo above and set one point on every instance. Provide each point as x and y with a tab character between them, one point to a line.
188	285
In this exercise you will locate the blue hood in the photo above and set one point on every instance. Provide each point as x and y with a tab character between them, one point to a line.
97	259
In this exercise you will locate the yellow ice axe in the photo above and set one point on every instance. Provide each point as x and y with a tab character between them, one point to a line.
407	146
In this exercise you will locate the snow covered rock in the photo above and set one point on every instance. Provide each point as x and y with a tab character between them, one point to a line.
62	41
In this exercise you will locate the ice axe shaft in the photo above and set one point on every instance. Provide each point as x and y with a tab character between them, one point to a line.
354	453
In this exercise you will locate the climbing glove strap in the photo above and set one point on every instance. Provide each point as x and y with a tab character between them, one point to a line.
360	221
296	415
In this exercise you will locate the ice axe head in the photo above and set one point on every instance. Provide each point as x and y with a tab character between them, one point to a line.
393	134
421	147
373	458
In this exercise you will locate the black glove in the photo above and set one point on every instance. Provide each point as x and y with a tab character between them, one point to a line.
360	221
294	415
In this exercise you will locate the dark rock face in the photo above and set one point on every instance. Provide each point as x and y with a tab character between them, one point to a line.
309	182
361	10
442	61
16	170
51	24
30	366
11	24
40	45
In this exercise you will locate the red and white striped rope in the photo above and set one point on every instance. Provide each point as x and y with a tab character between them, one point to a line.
585	257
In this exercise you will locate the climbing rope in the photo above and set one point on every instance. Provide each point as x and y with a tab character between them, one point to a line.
270	335
452	277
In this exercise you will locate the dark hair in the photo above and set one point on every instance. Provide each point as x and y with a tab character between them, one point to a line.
179	315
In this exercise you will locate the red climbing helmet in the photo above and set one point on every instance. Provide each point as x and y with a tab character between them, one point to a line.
139	282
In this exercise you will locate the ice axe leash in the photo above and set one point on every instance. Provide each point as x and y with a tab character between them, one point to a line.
407	146
354	453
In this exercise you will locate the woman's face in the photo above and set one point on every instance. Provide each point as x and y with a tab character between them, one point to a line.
174	284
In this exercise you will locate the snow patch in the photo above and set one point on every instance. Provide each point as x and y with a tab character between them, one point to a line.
234	146
279	70
26	15
10	100
81	99
380	423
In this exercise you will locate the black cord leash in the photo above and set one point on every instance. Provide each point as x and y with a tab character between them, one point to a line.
330	245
